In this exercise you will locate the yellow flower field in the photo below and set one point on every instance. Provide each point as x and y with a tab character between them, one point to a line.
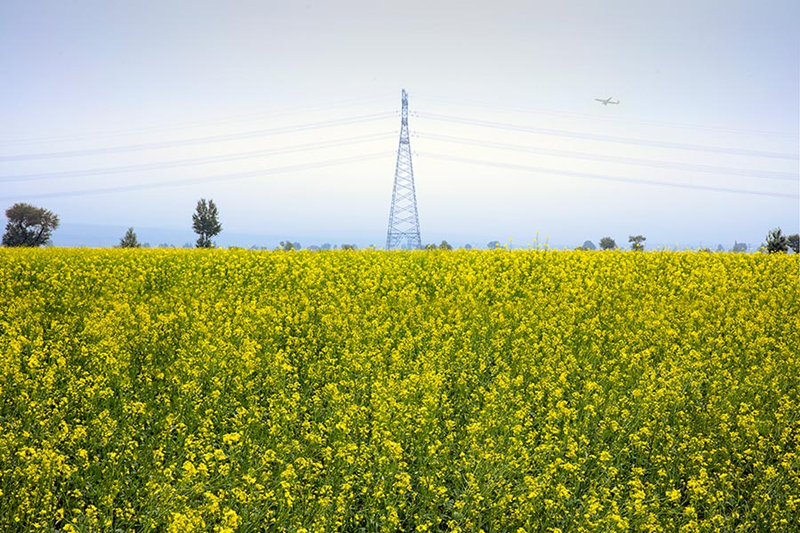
222	391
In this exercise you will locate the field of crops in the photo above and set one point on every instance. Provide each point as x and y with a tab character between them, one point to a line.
221	390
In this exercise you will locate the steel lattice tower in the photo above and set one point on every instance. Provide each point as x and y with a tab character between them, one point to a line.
403	218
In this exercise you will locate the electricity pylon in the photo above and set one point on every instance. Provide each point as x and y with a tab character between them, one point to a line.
403	218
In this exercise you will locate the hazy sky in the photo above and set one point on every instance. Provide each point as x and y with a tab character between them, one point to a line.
287	114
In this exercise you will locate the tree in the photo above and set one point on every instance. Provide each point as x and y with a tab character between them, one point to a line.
286	246
348	247
129	240
636	242
777	242
494	245
794	243
589	245
28	225
205	222
445	246
739	247
607	243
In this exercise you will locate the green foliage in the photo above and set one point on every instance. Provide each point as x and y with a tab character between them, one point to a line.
794	243
205	222
443	246
129	240
777	242
588	245
607	243
29	225
637	242
288	246
739	247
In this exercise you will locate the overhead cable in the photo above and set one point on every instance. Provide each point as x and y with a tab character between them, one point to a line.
783	176
207	179
606	138
586	175
191	124
198	140
607	117
159	165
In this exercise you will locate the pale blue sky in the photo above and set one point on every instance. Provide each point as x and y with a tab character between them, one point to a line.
82	76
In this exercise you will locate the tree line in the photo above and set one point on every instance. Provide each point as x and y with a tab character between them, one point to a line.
33	226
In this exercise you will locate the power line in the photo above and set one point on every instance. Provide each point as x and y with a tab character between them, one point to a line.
700	127
191	124
207	179
195	161
198	140
605	138
553	171
784	176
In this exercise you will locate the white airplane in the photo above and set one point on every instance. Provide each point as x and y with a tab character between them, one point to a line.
606	101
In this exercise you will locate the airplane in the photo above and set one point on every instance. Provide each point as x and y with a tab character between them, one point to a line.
606	101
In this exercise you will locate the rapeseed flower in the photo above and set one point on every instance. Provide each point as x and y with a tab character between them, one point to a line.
223	391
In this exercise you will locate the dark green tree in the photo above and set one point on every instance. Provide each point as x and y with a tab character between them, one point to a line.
129	240
205	222
777	242
637	242
794	243
607	243
589	245
28	225
287	246
445	246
